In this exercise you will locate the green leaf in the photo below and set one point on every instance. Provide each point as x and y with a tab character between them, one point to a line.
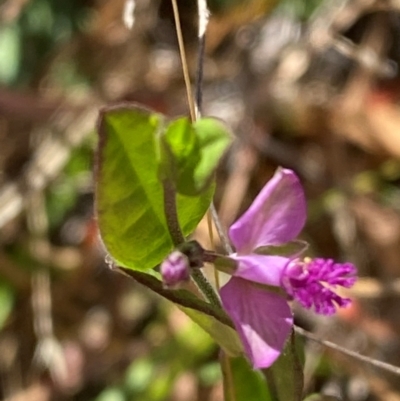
190	153
241	382
129	195
180	153
214	138
285	376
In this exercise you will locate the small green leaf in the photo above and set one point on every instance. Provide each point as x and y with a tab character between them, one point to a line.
179	152
129	195
241	382
285	376
190	153
214	138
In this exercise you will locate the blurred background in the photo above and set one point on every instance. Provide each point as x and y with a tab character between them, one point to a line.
312	85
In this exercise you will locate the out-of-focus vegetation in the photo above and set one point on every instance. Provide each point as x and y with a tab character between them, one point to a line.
310	85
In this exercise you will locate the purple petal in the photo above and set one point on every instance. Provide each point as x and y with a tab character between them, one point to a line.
261	269
262	319
276	216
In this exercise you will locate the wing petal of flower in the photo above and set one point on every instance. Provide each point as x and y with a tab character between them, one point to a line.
263	320
276	216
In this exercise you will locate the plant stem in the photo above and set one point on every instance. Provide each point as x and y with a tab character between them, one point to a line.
179	297
197	275
205	287
212	213
220	230
178	238
171	214
228	376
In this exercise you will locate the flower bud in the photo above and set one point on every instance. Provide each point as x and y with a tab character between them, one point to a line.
175	269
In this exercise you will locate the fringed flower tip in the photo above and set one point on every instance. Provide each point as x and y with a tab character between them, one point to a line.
312	282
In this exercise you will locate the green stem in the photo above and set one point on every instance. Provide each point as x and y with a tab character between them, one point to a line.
205	287
220	230
171	216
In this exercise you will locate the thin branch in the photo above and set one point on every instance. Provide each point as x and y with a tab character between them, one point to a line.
184	61
378	364
220	230
204	15
228	376
203	22
180	297
197	275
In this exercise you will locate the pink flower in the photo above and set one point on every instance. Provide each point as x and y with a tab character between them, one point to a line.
261	315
